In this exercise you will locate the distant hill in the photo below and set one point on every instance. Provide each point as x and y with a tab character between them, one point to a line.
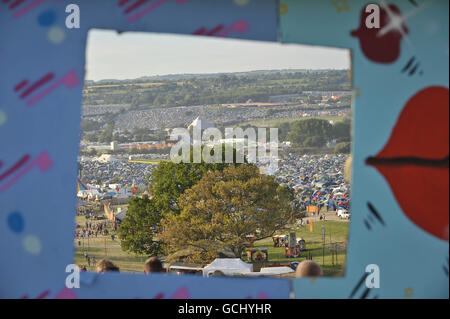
212	89
187	76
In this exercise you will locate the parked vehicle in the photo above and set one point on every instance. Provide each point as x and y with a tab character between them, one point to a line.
341	211
344	214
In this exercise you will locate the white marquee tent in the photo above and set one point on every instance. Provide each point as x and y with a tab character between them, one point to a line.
229	266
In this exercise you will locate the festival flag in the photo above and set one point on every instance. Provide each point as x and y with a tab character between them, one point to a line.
109	213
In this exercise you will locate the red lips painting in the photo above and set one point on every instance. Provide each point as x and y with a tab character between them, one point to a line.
377	47
415	160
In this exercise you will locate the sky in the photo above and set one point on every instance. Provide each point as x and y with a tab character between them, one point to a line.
130	55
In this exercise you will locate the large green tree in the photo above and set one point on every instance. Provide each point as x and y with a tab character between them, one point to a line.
223	208
135	231
167	182
342	131
170	180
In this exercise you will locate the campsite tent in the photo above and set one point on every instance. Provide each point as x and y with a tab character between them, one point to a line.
229	266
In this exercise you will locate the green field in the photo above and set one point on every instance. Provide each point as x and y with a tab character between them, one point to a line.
95	247
335	231
278	122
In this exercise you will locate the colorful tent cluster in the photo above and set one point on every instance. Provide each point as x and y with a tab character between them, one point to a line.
317	180
130	173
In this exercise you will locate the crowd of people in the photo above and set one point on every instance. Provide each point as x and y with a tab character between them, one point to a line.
91	230
306	268
151	265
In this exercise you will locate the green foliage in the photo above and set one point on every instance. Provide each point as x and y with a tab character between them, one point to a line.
283	131
92	152
342	131
135	231
310	133
223	208
170	180
167	183
91	137
106	136
315	133
344	148
90	125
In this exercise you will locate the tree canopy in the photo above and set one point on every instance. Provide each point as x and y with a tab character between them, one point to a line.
342	130
223	208
167	183
169	180
310	132
343	148
135	231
